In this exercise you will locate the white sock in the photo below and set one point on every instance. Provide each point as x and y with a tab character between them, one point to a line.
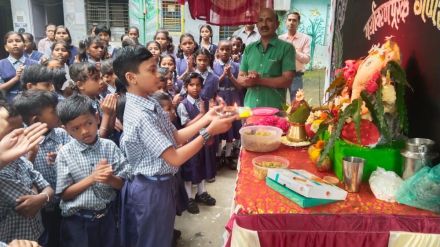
188	188
219	149
201	187
229	146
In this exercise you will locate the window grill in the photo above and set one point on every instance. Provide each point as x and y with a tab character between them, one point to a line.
171	16
226	32
112	13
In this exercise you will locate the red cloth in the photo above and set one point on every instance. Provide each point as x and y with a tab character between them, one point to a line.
332	230
227	12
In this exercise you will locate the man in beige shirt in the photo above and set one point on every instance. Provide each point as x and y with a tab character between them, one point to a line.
301	42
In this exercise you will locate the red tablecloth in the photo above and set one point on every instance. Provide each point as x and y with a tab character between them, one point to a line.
361	215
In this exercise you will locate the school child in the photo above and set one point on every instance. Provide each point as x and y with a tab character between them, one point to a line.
185	60
154	48
108	78
163	37
23	190
62	33
90	171
165	101
205	39
150	142
11	68
229	91
60	51
40	106
91	50
237	49
30	48
104	33
195	171
87	79
37	76
204	61
166	80
168	61
133	33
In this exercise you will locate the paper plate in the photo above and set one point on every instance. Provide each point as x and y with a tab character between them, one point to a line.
264	111
288	143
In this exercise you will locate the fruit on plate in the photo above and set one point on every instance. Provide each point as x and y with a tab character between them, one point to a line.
368	131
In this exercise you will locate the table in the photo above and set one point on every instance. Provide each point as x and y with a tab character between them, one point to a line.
360	220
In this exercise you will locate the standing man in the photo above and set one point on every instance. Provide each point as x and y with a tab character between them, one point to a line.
47	42
301	42
267	67
247	33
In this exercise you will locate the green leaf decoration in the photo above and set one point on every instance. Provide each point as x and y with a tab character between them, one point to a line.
336	87
300	115
349	110
357	118
322	128
376	109
399	77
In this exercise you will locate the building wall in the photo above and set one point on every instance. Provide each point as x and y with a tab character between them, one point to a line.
21	15
75	19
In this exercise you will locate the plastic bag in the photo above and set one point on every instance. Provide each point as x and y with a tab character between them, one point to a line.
422	190
385	184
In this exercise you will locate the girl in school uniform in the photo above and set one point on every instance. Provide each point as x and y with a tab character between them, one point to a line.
205	39
169	62
227	71
91	50
30	48
191	109
185	61
60	51
237	49
62	33
163	37
154	48
12	67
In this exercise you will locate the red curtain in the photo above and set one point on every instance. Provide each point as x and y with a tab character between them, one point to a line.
227	12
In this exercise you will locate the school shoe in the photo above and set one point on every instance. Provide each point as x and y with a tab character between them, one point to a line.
205	198
192	207
231	163
176	236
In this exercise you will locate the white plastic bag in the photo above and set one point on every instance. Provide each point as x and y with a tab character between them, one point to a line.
385	184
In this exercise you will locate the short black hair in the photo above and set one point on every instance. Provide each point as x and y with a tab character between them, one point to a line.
101	28
128	59
73	107
58	79
120	107
294	13
193	75
8	107
159	96
32	102
107	67
35	73
81	71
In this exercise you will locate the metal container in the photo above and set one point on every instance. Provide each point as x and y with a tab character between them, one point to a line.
353	171
297	133
418	153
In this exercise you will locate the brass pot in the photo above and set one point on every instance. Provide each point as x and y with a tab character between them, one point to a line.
297	133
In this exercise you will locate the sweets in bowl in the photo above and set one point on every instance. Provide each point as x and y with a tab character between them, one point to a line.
264	162
260	138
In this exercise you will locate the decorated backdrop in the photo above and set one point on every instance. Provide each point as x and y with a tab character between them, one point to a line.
415	25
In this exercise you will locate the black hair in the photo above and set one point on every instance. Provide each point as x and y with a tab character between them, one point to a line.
86	43
128	42
174	61
82	71
120	107
204	51
66	46
107	67
161	96
6	37
210	30
31	39
128	60
153	42
73	107
186	35
294	13
69	41
162	73
8	107
32	102
120	87
49	24
35	73
170	47
58	79
123	36
193	75
135	28
101	28
243	45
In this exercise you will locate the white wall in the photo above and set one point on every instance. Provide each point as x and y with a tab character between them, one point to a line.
75	19
21	15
